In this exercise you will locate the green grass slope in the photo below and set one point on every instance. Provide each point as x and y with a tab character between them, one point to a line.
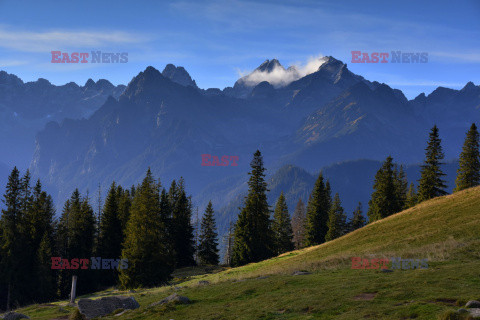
446	231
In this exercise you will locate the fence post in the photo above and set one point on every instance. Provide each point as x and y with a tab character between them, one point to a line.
74	289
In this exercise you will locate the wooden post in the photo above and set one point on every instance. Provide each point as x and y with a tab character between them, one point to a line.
8	296
74	289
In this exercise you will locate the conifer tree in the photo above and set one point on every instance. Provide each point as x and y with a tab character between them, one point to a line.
110	234
253	237
45	286
41	216
328	193
133	189
24	238
431	184
10	246
384	200
299	220
468	174
401	186
76	230
110	226
412	198
337	222
318	208
208	244
166	213
358	220
26	192
182	229
173	193
229	239
124	203
150	261
21	229
282	227
40	219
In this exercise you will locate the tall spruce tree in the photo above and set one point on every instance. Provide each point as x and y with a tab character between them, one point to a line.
150	260
299	220
337	220
253	236
412	198
124	203
358	220
401	186
282	227
431	184
182	229
227	258
40	219
384	200
468	174
318	209
45	286
166	215
76	230
11	247
41	216
24	238
110	234
208	243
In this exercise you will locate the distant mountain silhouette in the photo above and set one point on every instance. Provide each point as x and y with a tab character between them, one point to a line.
326	117
25	108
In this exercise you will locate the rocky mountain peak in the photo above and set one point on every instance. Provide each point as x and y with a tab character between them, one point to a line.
470	86
9	79
269	65
178	75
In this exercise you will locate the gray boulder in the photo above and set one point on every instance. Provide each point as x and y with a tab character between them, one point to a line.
172	298
106	305
475	313
300	273
14	316
473	304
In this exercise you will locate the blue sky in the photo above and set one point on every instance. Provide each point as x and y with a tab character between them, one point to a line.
218	40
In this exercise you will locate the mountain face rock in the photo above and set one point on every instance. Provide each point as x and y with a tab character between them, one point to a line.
25	108
178	75
155	123
325	117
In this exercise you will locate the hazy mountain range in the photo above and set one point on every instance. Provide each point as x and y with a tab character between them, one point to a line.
25	108
321	117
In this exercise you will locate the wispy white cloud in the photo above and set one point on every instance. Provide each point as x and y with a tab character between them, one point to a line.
12	63
279	76
28	41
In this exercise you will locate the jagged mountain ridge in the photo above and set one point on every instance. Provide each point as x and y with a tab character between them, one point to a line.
327	116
